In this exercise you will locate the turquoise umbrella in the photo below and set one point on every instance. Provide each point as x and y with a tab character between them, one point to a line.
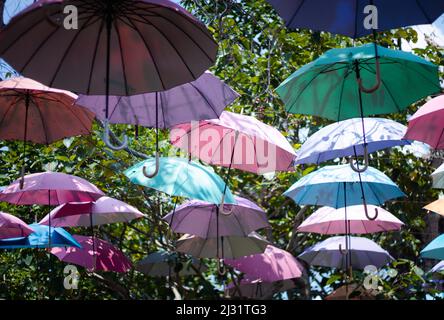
183	178
435	249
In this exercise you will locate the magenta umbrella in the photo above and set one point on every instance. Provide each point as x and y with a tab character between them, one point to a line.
202	219
327	220
427	124
105	257
13	227
273	265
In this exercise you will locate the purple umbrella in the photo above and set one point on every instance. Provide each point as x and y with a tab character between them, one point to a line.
203	220
13	227
329	253
439	267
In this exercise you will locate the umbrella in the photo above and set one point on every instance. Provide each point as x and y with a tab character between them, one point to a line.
45	114
40	239
183	178
438	177
164	264
439	267
13	227
105	257
272	265
118	48
257	289
223	247
203	220
85	214
435	249
427	124
342	139
353	291
436	206
327	220
363	251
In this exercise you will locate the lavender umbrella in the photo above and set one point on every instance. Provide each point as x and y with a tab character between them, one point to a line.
363	252
439	267
203	219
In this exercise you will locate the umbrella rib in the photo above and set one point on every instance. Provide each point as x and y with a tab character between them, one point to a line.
221	142
296	12
17	97
78	118
122	60
163	112
94	56
205	98
41	119
342	91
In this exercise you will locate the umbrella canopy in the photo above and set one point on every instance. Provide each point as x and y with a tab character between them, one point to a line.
183	178
223	247
327	87
104	256
165	264
439	267
236	141
363	252
435	249
436	206
427	124
327	220
346	17
273	265
204	98
154	45
30	111
40	239
438	177
202	219
353	291
13	227
325	187
257	289
344	138
50	188
85	214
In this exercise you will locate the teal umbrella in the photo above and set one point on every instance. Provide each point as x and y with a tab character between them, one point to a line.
183	178
435	249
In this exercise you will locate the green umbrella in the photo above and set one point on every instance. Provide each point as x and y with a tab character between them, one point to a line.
183	178
328	86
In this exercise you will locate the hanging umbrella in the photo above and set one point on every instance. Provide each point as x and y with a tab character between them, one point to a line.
438	177
272	265
165	264
13	227
223	247
203	220
352	291
436	206
105	257
118	48
30	111
257	289
327	220
342	139
183	178
435	249
427	124
86	214
439	267
363	251
40	239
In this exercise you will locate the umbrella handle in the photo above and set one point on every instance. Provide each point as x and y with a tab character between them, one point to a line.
378	80
221	268
156	170
22	177
368	217
108	142
221	207
366	162
342	251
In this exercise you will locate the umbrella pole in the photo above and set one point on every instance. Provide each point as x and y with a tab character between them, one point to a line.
172	217
156	169
25	136
93	239
227	177
49	238
347	248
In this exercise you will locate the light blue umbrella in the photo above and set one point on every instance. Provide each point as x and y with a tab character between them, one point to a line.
435	249
326	186
344	139
39	239
183	178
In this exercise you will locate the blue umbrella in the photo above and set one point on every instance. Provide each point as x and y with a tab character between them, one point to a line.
435	249
343	139
39	239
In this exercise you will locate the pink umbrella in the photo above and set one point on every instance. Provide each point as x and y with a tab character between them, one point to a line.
427	124
105	257
257	289
273	265
327	220
86	214
13	227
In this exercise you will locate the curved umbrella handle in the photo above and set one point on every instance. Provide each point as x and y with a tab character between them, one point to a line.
378	80
366	162
156	170
22	177
108	142
342	251
221	269
368	217
221	207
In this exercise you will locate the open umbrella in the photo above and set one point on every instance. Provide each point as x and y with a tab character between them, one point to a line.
342	139
435	249
363	251
438	177
427	124
31	111
327	220
436	206
258	289
118	48
13	227
203	220
105	257
439	267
